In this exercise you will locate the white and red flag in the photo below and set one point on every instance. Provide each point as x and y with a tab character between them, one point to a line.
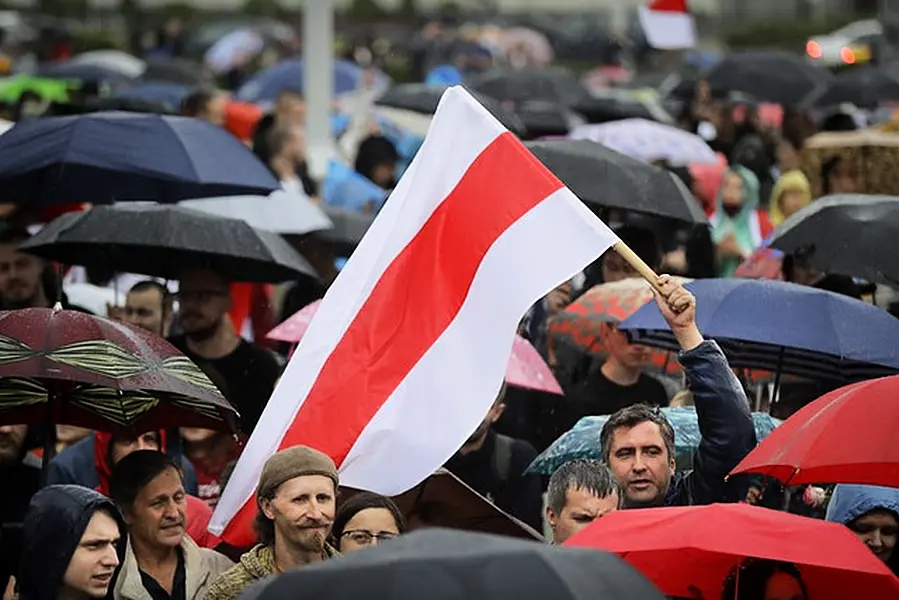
668	24
408	348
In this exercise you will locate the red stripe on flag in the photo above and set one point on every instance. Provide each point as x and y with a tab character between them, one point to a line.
418	296
678	6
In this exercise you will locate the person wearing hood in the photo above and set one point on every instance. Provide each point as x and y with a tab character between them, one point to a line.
73	544
738	227
90	462
792	193
872	513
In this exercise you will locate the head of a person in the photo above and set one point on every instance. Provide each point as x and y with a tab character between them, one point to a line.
797	267
366	519
204	298
72	544
492	416
732	190
765	580
638	445
579	492
148	305
839	176
290	108
285	142
296	499
147	487
122	445
207	105
21	283
12	444
376	159
789	147
791	193
639	239
872	513
620	349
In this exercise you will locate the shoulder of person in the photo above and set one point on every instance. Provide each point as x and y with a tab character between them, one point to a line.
216	562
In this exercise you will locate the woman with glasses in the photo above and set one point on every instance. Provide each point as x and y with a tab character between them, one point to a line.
364	520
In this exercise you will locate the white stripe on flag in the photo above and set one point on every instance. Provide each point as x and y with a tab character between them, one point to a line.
410	344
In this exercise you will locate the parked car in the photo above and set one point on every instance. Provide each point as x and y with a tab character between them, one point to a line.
853	44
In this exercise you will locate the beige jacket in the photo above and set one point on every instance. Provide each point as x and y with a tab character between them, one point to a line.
201	567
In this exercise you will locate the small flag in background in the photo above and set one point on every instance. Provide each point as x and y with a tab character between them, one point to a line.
409	346
668	25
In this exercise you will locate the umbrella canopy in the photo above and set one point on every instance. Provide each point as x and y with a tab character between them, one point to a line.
424	99
695	548
848	234
349	227
605	178
72	368
553	85
649	141
179	72
163	241
281	212
868	156
168	95
784	327
582	440
464	566
118	156
289	74
768	76
112	60
444	500
866	86
526	368
88	73
845	436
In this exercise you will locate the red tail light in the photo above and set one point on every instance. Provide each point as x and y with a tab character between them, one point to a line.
813	49
847	55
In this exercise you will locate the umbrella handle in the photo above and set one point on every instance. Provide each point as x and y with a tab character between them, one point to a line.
631	258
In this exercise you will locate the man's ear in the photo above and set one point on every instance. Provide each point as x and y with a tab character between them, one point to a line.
496	411
265	505
550	517
672	466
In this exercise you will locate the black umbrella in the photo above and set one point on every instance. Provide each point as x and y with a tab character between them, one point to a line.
605	178
348	228
768	76
440	564
176	71
866	87
163	241
544	118
424	99
850	235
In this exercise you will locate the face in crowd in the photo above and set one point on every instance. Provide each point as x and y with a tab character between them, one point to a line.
204	299
20	278
579	492
95	560
302	511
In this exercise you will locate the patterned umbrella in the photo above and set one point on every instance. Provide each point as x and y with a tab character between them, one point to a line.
67	367
582	440
648	141
578	326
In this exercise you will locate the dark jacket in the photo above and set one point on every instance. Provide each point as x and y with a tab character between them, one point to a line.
56	520
728	433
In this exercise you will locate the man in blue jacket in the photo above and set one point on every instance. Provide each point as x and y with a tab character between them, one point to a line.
638	441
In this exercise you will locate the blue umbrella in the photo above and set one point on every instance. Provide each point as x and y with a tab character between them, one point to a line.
289	74
582	440
345	188
784	327
171	95
116	156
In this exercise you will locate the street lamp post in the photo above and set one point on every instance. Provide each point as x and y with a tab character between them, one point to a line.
318	87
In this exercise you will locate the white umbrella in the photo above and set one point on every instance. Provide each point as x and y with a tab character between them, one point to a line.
648	141
409	121
114	60
281	212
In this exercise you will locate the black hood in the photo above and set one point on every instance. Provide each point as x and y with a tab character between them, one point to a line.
56	520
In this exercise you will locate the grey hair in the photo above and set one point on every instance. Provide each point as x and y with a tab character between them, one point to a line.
581	474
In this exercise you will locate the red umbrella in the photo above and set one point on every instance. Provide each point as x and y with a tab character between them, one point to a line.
68	367
526	369
698	546
846	436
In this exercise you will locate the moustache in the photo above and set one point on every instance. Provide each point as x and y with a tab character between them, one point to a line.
314	524
172	523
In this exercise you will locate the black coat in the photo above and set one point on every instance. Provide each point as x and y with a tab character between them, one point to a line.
56	520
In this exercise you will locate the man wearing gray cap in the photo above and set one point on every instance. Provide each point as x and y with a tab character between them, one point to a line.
296	499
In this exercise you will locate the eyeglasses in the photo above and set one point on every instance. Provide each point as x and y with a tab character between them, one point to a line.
364	538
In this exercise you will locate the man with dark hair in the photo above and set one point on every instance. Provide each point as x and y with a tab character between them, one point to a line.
249	371
638	441
71	545
611	267
296	499
21	275
579	492
207	105
149	305
160	561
